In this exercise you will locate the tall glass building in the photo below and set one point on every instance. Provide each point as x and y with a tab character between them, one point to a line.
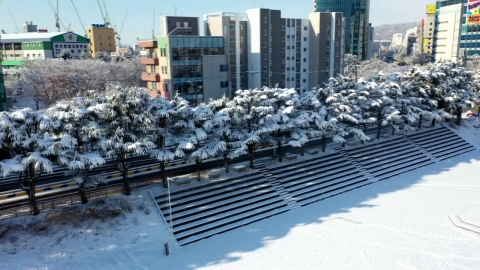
356	13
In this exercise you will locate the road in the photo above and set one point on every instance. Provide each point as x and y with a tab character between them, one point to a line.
10	184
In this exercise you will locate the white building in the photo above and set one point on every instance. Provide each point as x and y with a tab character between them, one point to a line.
447	41
397	40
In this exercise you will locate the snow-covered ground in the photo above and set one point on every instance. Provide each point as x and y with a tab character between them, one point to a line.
400	223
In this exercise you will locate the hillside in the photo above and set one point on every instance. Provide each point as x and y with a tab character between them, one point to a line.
386	31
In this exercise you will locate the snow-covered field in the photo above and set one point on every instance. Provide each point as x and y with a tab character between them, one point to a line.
400	223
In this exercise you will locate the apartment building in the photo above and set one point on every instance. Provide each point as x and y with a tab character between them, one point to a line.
16	48
233	26
195	67
101	39
327	36
278	52
180	26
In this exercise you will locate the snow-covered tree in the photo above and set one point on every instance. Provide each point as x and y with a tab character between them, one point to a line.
125	120
78	121
65	55
24	134
103	56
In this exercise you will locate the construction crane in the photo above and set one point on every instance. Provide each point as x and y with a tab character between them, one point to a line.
58	21
118	34
15	23
79	18
106	18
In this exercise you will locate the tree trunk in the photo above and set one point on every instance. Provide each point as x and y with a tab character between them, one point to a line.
393	130
164	174
459	116
343	144
379	130
197	164
434	121
280	158
83	194
302	150
364	127
324	143
227	168
250	155
31	197
420	121
126	183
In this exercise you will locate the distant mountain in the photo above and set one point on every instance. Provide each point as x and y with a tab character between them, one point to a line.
386	31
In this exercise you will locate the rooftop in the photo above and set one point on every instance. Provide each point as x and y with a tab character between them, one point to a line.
22	37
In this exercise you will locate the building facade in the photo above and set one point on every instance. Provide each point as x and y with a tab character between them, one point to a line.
371	36
357	17
327	37
16	48
447	32
101	39
232	26
278	50
180	25
195	67
428	33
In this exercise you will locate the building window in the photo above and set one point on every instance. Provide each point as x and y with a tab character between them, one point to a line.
69	46
241	62
232	51
223	84
283	71
242	74
283	27
264	32
232	63
264	80
232	39
304	28
264	44
234	86
304	60
283	39
264	68
304	70
264	19
264	57
56	45
223	68
288	79
241	51
283	61
233	75
304	49
338	22
100	44
282	50
298	81
304	80
231	26
299	28
297	61
241	27
79	51
304	39
241	39
72	51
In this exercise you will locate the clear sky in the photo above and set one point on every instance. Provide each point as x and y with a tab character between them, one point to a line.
139	21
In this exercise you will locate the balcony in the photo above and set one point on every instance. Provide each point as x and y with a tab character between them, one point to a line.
149	60
148	44
151	77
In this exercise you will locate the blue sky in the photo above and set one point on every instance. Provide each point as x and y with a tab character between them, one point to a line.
139	21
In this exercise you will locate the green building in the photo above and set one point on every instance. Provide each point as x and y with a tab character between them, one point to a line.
15	48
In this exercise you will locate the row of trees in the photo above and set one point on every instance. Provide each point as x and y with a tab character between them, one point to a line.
51	80
122	121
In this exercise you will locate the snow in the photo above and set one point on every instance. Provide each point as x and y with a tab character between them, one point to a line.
411	221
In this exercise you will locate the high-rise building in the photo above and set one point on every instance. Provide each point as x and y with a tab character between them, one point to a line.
102	39
371	36
195	67
327	37
233	26
447	31
278	50
356	13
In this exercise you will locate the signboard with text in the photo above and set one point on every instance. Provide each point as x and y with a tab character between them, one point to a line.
473	12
